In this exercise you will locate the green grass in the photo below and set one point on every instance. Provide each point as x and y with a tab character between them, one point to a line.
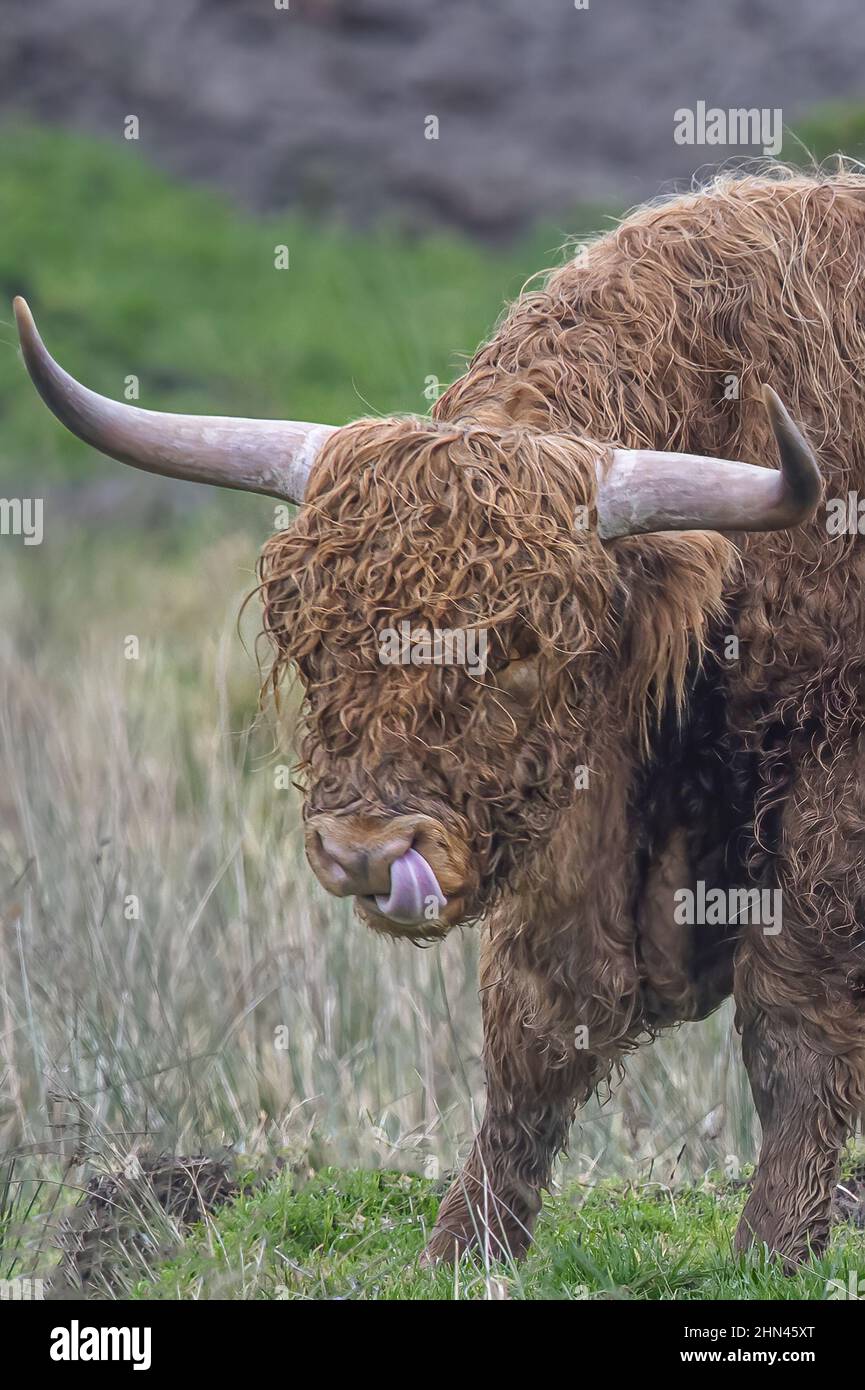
358	1235
834	128
130	272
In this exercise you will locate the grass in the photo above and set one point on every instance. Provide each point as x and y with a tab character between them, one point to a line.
358	1235
171	975
831	128
131	274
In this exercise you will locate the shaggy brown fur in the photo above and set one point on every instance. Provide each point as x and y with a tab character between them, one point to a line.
738	770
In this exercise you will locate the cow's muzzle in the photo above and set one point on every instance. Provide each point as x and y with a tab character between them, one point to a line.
407	874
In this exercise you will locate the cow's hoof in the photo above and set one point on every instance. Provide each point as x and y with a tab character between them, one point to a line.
445	1247
448	1244
758	1229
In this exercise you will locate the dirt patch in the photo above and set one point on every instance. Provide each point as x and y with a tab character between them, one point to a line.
127	1221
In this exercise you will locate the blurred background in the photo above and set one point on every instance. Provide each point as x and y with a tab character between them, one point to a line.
315	210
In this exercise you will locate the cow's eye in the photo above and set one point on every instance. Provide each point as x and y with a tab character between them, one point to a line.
519	679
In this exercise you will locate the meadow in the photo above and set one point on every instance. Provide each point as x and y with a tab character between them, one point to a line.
172	978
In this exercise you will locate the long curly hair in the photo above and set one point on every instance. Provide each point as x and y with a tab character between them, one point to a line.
457	525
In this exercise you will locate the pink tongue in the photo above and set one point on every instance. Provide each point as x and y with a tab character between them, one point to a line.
413	887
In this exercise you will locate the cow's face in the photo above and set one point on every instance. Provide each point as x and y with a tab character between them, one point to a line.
437	595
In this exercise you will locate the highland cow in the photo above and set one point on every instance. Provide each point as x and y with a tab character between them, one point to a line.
672	698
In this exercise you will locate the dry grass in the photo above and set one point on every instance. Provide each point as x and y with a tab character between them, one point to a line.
243	1006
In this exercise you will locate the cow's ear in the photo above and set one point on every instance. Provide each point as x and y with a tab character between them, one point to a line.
520	680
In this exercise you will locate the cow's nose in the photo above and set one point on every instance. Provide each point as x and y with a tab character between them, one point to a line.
351	864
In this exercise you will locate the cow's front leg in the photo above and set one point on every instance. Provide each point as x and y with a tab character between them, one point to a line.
494	1202
538	1070
799	999
807	1096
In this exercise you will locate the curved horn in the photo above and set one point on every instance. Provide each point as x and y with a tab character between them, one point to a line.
270	456
647	491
